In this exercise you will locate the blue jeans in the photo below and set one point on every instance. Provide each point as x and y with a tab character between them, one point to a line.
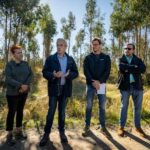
62	102
89	103
137	96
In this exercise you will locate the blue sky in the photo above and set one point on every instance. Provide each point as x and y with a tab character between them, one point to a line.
61	8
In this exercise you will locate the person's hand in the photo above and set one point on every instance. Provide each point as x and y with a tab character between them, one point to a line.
68	72
96	84
58	74
23	88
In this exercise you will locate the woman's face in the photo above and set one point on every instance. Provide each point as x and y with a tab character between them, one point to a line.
18	54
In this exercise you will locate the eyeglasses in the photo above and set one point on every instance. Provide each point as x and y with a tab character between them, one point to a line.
95	44
128	49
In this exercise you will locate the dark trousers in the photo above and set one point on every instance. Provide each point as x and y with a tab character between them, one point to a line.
15	106
62	102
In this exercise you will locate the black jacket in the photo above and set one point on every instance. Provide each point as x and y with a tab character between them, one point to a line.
137	67
52	64
97	67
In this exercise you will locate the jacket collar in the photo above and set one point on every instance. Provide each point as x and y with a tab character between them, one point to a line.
68	60
125	59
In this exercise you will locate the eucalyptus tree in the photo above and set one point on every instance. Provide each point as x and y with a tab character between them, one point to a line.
47	26
68	25
79	42
90	16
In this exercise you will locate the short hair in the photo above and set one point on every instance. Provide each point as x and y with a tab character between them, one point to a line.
132	45
97	39
13	47
61	39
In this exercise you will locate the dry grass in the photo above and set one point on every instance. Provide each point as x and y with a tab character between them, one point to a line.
37	106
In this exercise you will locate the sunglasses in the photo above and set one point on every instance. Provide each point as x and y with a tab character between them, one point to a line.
128	49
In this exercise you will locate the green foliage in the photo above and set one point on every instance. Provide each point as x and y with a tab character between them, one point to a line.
68	25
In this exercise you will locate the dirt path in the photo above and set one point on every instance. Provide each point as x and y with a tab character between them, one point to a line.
96	141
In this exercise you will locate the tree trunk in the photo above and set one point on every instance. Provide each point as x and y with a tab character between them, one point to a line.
137	41
145	47
8	46
90	30
69	46
80	57
6	50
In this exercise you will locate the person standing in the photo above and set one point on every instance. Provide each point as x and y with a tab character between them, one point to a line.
18	79
96	67
131	67
59	69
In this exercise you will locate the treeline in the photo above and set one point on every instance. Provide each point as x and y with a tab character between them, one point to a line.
22	20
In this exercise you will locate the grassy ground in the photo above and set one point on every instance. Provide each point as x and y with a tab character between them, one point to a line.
37	106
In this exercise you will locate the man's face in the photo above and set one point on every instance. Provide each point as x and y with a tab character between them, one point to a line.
96	46
61	47
129	50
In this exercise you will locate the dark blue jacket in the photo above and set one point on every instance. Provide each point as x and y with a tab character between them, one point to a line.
97	67
52	64
16	75
136	67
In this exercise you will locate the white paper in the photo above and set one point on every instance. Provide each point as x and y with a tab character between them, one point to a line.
102	89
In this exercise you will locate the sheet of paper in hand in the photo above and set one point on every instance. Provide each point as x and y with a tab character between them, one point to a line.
102	89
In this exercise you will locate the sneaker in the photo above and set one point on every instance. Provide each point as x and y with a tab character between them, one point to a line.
63	138
140	131
105	132
86	131
121	131
10	140
20	136
44	139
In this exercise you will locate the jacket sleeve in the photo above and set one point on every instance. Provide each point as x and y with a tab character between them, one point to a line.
30	76
9	78
136	69
73	71
47	74
106	74
86	70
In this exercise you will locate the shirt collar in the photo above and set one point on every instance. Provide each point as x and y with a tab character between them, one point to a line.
61	57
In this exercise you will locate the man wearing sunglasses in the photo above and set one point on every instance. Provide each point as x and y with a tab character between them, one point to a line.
131	67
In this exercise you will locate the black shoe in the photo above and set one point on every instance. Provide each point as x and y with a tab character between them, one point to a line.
20	136
63	138
44	139
86	131
10	140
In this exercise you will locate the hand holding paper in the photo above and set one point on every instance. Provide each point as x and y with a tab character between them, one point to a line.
102	89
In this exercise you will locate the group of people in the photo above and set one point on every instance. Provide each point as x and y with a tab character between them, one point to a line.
60	70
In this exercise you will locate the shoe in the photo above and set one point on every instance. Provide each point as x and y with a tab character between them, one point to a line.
86	131
121	131
20	136
44	139
63	138
105	132
140	131
10	140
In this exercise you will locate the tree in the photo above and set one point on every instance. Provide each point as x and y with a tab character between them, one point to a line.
79	42
47	27
90	16
68	25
